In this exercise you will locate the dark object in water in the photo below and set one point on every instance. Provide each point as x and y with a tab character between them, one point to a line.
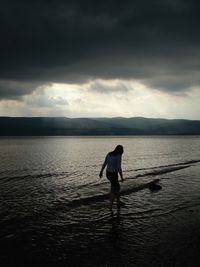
153	186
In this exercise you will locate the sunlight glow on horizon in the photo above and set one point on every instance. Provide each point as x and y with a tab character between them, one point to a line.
103	98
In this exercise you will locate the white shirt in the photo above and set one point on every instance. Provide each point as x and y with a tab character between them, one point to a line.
113	163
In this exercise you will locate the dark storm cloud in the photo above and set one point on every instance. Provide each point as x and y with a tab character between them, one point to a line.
15	90
73	41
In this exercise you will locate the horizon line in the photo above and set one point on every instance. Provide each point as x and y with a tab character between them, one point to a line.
103	117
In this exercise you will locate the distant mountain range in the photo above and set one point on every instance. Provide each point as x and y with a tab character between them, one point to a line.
36	126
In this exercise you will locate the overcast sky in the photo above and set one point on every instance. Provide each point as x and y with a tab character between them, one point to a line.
88	58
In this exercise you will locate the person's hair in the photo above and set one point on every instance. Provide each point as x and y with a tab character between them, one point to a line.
117	151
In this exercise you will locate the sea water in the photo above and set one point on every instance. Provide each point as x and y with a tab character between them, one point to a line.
55	209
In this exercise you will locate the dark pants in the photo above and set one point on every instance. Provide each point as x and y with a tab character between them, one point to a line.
113	178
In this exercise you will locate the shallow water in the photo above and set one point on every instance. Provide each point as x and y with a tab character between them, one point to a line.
55	208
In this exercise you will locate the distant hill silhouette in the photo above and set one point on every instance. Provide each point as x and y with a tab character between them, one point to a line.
36	126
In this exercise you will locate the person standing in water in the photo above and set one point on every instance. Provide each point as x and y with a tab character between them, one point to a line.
113	163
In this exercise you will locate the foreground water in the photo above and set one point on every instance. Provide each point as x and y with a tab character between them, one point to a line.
54	208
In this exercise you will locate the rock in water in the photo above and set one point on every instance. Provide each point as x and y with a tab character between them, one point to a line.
153	186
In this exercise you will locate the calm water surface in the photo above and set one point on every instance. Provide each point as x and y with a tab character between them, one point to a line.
54	208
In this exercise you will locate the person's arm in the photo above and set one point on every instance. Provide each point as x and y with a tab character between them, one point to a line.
103	167
120	168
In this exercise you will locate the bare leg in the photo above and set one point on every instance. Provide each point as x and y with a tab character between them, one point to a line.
112	198
118	200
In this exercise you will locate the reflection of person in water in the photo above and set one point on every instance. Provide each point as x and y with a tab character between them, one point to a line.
113	162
